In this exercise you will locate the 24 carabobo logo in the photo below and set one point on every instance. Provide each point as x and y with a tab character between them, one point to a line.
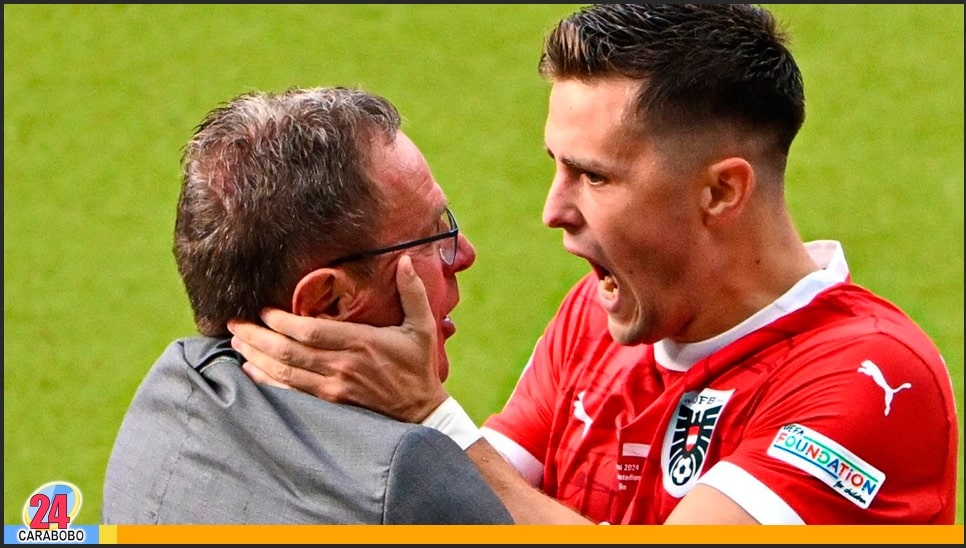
49	511
53	505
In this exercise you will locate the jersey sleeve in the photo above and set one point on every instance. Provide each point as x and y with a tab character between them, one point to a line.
857	431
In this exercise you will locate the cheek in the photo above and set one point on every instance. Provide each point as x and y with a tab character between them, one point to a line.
378	302
379	308
643	243
626	236
436	287
656	223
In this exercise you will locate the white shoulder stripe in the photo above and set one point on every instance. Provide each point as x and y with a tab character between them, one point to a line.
752	495
529	466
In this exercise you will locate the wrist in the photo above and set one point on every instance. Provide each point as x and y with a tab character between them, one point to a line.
451	419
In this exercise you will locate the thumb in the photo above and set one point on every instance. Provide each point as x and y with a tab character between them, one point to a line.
412	295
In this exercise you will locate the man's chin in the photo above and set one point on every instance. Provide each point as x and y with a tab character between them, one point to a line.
622	333
443	368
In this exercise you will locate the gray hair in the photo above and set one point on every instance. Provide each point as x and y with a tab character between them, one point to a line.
273	186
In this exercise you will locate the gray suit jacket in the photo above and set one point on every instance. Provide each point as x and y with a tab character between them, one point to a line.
201	443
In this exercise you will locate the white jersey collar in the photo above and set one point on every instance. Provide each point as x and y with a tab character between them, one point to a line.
827	254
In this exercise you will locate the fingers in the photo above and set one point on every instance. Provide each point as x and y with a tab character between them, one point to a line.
283	376
273	365
412	295
349	362
261	345
274	353
260	377
264	369
317	332
276	359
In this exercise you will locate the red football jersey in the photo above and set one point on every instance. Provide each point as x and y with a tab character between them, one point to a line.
830	406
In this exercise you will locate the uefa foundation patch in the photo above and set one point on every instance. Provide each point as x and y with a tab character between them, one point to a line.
839	468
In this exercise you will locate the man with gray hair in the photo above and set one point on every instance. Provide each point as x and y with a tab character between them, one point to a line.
310	200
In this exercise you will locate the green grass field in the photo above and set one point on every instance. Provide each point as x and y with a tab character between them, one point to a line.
99	99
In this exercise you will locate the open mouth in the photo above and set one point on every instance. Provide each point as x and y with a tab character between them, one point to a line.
606	282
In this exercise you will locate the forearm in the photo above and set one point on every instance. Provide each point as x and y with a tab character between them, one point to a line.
525	503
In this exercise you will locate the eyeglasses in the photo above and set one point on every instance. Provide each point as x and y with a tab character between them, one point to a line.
447	248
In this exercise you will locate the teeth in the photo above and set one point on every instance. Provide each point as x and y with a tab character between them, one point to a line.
607	284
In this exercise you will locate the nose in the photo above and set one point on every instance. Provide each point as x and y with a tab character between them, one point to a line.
465	254
559	210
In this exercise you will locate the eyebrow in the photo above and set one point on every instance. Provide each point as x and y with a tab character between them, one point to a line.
578	165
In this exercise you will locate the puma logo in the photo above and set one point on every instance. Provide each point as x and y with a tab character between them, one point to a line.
581	414
871	369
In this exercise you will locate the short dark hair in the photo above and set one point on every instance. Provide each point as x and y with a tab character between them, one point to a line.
273	186
700	65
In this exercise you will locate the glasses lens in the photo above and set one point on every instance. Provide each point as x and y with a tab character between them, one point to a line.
447	250
448	246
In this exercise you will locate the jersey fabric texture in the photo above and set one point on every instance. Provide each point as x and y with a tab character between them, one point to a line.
828	407
203	444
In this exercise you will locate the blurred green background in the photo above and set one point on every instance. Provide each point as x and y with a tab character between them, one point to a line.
99	99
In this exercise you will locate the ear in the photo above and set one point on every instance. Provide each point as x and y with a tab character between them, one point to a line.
729	185
325	293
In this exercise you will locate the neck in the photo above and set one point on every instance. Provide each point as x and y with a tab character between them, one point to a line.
749	274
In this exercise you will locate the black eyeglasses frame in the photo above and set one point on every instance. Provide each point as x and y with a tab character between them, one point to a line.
451	233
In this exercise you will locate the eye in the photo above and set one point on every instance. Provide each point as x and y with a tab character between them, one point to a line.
594	179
